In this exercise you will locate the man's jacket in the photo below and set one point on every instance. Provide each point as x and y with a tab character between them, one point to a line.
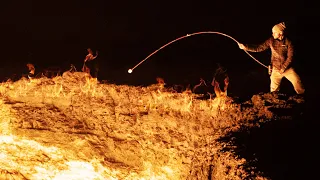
281	51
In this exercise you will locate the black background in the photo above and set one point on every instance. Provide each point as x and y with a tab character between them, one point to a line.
57	34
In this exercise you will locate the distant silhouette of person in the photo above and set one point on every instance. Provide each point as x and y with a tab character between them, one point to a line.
90	65
282	56
31	69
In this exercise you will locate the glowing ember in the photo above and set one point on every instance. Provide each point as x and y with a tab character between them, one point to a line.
130	71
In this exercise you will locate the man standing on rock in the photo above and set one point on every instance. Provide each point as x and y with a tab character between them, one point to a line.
282	52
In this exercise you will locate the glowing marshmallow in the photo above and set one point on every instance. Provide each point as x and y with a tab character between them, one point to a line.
130	71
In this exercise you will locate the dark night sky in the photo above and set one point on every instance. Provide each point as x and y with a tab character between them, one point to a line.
57	33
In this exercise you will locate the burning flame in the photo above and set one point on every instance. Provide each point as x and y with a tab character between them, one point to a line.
98	136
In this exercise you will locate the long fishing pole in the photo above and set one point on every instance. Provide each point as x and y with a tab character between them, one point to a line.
188	35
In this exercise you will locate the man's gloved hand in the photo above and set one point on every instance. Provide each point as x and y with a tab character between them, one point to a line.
241	46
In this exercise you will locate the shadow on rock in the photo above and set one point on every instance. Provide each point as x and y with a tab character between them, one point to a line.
282	148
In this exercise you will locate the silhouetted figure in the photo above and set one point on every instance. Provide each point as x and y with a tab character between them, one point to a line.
90	65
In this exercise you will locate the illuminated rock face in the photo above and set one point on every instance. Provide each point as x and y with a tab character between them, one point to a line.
73	127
